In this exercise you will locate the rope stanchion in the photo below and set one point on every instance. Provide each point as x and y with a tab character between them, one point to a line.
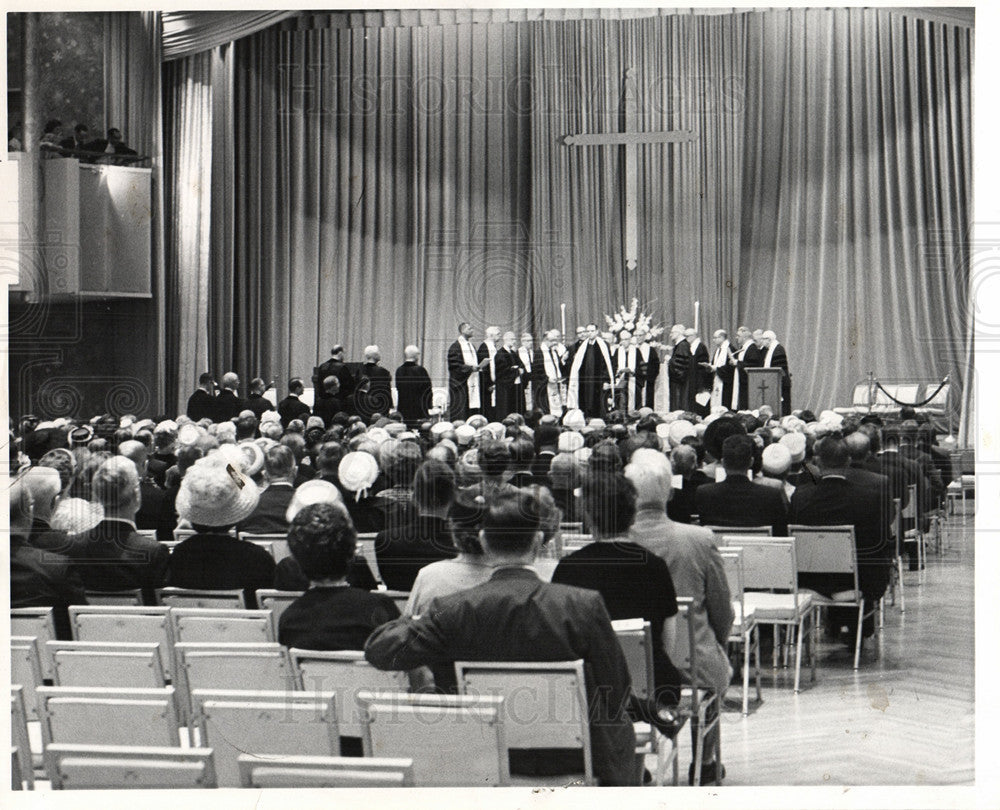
920	404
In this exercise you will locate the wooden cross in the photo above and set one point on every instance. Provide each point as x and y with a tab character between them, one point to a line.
762	388
629	139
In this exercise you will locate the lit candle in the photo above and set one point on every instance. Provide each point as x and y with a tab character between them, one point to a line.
563	308
696	305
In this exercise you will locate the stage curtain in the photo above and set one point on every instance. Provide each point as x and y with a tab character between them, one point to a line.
857	196
688	76
188	111
186	33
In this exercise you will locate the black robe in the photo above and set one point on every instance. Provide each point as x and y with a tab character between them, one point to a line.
752	359
700	380
679	367
592	398
509	383
458	383
373	393
413	392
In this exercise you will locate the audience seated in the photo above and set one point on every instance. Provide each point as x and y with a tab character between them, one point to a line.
113	556
331	614
515	616
269	516
44	487
155	512
419	536
737	501
681	506
468	569
214	496
697	572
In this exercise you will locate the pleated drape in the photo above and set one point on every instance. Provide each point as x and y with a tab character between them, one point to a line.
380	184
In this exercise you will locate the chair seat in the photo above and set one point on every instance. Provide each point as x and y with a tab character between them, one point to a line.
777	606
851	597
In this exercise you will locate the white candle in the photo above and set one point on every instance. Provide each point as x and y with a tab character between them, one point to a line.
563	308
696	305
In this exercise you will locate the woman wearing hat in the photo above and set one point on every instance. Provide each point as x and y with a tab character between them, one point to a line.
214	496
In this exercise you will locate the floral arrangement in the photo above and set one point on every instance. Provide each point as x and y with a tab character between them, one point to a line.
629	324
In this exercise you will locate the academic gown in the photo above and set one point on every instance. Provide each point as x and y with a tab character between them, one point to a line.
591	395
509	383
678	368
413	392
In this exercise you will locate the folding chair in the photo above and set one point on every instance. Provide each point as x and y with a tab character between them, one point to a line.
770	577
222	626
896	572
325	772
125	598
453	740
147	624
636	639
744	631
107	664
26	670
180	535
264	544
276	601
684	655
20	741
16	774
266	725
195	598
401	598
277	544
345	672
832	550
230	666
719	533
112	716
912	513
38	622
148	534
553	693
574	542
106	767
366	548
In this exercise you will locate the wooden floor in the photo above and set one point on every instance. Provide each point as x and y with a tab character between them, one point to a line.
906	717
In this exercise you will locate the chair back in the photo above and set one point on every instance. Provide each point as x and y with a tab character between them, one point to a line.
149	624
16	772
37	622
107	664
231	666
683	651
897	525
266	725
454	741
636	639
719	533
106	767
276	544
20	740
325	772
732	562
125	598
572	541
551	692
26	670
112	716
345	672
825	550
769	563
911	511
180	535
222	626
276	601
366	548
195	598
148	534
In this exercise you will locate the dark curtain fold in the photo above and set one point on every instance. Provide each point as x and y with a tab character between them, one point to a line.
378	184
857	196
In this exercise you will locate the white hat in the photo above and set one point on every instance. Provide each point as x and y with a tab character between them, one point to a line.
465	434
477	420
311	492
270	416
253	457
570	441
188	434
645	411
776	459
597	422
165	426
663	430
574	419
394	429
357	471
679	431
583	454
796	446
440	428
377	434
76	516
214	493
496	429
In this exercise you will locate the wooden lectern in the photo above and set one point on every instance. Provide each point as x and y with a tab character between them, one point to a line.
764	385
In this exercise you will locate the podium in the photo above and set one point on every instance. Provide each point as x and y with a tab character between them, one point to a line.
764	388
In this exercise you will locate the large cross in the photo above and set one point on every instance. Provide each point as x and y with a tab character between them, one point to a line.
629	139
763	388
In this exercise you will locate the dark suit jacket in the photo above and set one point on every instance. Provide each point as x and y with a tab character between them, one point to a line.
408	544
221	562
202	405
338	369
738	502
373	393
681	505
516	617
229	405
413	392
113	557
259	405
41	578
269	516
510	383
327	408
156	512
291	407
835	501
751	359
678	368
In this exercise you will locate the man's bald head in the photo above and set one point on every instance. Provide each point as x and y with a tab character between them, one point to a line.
137	453
44	485
858	445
